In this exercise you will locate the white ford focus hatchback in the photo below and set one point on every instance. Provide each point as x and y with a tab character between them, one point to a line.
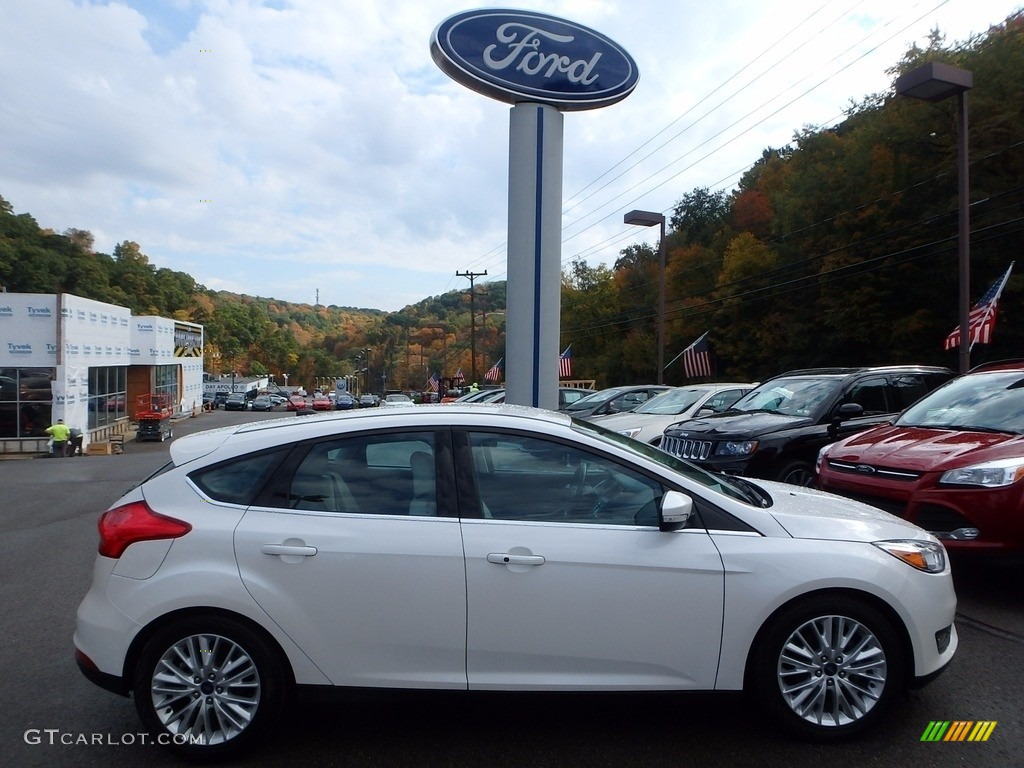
466	547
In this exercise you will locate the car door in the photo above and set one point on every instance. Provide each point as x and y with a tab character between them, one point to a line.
570	584
355	551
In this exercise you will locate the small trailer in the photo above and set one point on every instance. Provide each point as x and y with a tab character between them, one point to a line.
153	415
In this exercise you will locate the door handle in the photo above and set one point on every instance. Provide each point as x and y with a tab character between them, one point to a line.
504	558
288	550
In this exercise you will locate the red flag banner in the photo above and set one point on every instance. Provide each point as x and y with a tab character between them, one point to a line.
494	372
982	317
565	363
697	358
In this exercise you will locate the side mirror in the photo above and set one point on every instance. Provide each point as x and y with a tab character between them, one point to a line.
847	411
842	413
676	509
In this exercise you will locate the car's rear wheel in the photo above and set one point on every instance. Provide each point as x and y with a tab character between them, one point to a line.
208	686
828	668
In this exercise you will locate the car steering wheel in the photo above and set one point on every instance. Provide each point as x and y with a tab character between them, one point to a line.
580	480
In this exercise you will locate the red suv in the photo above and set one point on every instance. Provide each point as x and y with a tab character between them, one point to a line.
953	463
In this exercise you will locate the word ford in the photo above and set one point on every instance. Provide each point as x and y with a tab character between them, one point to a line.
532	60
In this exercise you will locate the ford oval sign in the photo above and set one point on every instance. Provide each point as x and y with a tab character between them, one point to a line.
517	56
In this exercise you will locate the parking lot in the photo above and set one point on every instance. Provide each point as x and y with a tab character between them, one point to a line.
54	717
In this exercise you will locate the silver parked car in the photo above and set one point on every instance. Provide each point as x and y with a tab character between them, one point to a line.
649	420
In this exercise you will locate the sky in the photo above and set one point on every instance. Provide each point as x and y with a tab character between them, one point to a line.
311	149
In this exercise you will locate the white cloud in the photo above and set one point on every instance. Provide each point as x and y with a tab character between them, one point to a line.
335	155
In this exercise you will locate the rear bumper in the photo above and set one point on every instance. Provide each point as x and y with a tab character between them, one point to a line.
108	682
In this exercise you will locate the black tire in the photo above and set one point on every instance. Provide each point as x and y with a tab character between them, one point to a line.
211	679
798	473
810	686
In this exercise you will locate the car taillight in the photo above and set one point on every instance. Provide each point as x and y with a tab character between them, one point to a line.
123	526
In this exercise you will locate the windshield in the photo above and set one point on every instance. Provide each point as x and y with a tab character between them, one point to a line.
735	488
985	401
595	398
795	396
673	402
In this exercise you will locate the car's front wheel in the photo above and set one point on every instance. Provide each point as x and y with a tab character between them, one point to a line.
798	473
208	686
828	667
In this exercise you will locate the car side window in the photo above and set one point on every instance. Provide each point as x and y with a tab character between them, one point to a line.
720	401
382	474
908	389
534	480
236	481
871	395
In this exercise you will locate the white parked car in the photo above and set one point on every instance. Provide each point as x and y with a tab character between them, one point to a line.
648	421
396	401
502	548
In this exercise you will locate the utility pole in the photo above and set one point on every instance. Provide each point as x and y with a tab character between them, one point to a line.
472	315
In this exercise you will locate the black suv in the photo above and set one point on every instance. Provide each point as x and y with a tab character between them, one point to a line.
775	431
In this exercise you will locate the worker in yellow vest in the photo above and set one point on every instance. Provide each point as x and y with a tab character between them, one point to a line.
60	432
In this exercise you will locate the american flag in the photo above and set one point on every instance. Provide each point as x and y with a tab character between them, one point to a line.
434	383
565	363
460	377
697	358
494	372
982	317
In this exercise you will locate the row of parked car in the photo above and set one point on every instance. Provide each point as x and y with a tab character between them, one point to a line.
942	451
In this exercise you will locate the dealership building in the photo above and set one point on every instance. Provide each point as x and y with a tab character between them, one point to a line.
86	362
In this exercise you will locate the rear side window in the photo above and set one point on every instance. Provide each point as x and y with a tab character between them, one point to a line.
237	481
391	473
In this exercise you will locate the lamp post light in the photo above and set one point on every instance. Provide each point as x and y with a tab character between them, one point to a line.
649	219
935	82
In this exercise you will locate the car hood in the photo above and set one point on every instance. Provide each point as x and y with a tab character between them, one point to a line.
631	420
926	450
727	425
807	513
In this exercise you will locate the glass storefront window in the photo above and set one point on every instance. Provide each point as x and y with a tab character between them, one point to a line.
26	401
108	397
166	377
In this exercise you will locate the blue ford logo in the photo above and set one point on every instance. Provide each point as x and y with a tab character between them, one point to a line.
865	469
517	56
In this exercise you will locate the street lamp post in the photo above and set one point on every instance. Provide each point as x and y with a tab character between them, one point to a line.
935	82
649	219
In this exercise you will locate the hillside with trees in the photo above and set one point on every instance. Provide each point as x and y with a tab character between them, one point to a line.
837	249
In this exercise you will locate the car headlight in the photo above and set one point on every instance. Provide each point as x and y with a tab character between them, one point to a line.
991	474
821	458
630	432
927	556
737	447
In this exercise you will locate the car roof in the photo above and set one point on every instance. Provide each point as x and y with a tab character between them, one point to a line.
999	365
863	369
262	434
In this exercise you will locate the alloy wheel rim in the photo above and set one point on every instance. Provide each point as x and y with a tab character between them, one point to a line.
205	689
801	477
832	671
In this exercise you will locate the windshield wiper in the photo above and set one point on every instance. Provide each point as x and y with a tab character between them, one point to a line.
753	494
989	430
964	428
